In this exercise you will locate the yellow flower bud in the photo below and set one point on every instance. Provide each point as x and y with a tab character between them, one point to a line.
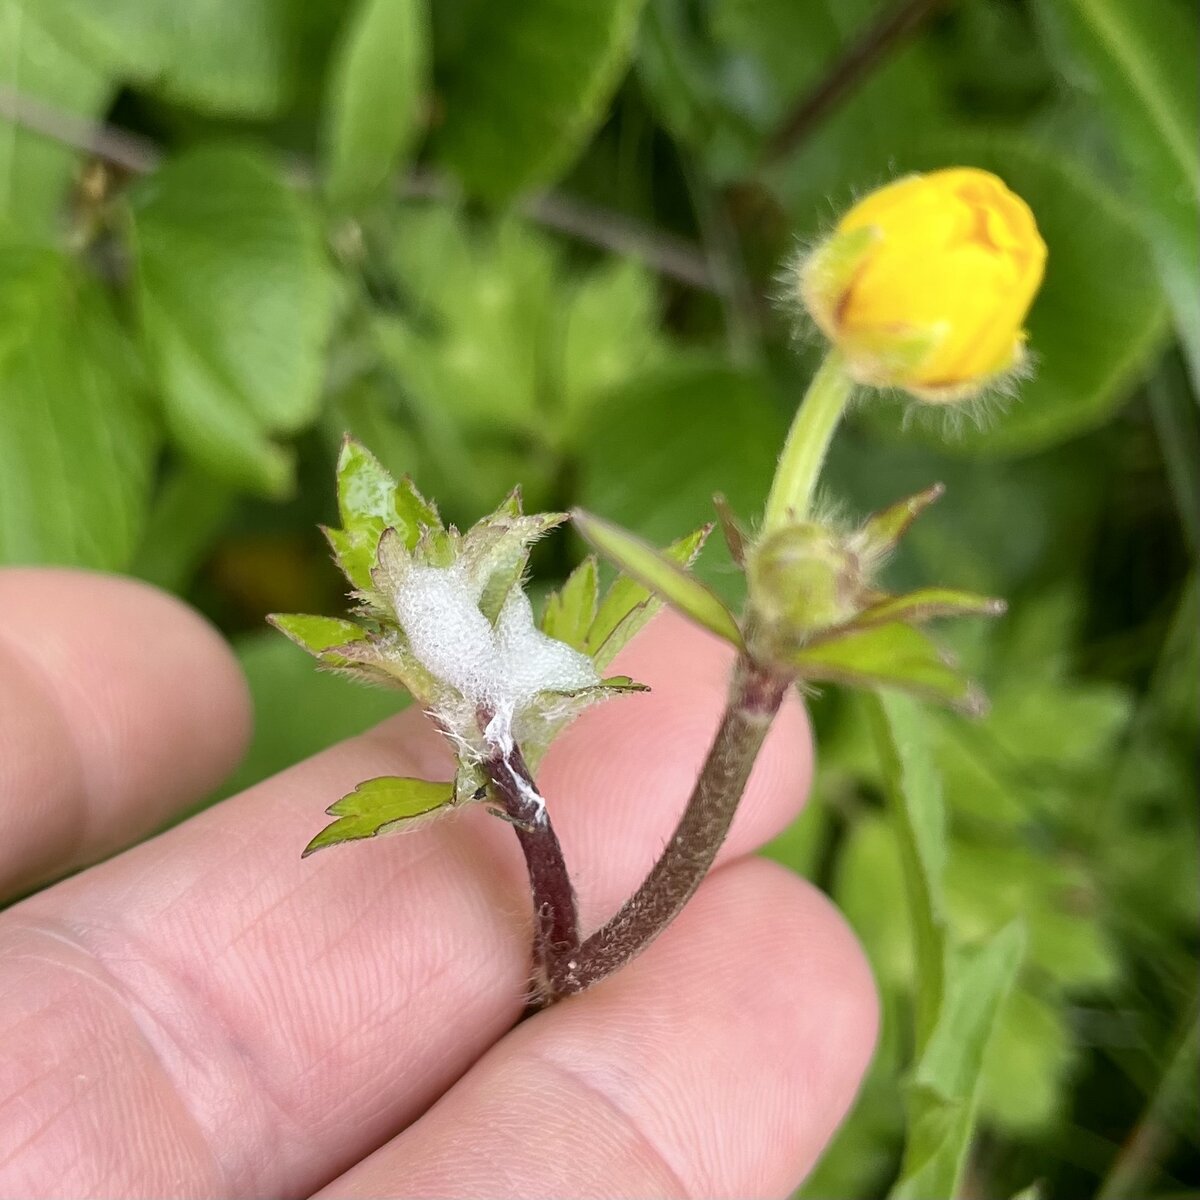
926	283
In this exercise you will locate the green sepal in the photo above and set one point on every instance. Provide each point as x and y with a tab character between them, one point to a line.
627	605
884	529
731	531
661	574
925	604
322	637
381	806
829	271
891	655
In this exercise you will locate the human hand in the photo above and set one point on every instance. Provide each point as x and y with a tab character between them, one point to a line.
206	1015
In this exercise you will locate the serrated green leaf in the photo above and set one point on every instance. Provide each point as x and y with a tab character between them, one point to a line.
381	806
373	106
893	655
1137	60
944	1096
661	574
368	496
882	531
528	86
925	604
918	815
627	605
355	550
317	635
219	235
78	439
570	611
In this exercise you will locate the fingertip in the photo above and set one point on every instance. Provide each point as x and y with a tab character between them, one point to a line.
138	707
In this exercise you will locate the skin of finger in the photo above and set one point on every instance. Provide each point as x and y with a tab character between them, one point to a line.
314	1008
719	1065
118	706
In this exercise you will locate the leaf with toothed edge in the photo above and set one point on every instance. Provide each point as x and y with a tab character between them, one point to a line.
354	550
320	636
661	574
381	806
366	491
570	611
628	605
892	655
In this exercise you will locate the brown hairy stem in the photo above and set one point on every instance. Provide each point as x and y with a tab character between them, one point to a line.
555	918
755	694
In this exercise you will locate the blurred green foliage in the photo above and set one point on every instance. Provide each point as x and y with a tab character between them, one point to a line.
302	217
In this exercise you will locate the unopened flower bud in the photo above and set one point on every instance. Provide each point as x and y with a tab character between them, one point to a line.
925	284
803	579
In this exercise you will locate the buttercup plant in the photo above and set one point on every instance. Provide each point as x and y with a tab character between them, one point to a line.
924	285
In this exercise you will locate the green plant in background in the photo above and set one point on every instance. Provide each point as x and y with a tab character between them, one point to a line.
225	241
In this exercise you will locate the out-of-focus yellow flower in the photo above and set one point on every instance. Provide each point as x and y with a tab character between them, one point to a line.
925	284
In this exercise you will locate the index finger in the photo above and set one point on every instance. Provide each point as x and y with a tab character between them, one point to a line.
118	705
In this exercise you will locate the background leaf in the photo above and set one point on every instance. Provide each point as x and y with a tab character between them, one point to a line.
914	796
77	436
376	91
34	171
527	87
235	306
1137	61
654	453
945	1088
223	56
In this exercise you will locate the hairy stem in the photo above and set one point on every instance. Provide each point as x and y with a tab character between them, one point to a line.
807	444
755	694
555	919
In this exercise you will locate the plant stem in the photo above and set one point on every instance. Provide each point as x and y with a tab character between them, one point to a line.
755	693
807	444
555	919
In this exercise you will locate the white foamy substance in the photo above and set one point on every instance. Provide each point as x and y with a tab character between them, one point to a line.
501	669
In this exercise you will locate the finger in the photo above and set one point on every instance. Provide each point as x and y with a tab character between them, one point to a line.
315	1007
118	705
719	1064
